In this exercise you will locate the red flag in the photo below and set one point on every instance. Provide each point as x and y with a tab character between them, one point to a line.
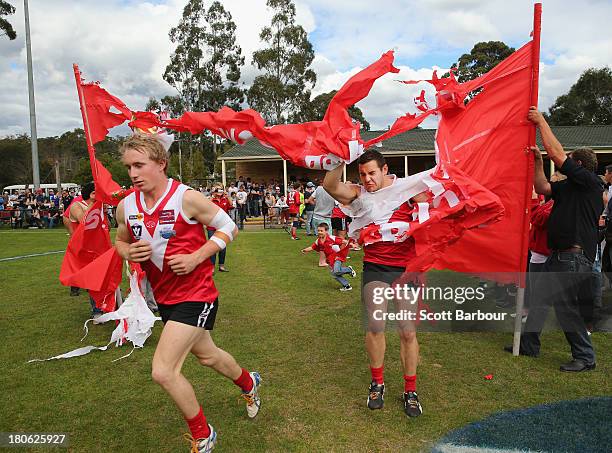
90	261
316	144
487	139
97	120
98	103
107	190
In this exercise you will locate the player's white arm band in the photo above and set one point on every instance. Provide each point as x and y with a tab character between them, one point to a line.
220	242
224	224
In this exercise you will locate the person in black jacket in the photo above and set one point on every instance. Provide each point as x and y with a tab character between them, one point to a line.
572	238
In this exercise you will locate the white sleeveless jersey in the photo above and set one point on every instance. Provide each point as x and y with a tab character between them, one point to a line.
170	232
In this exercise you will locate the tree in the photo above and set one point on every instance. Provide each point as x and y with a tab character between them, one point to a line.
6	29
205	66
483	57
315	110
283	90
588	102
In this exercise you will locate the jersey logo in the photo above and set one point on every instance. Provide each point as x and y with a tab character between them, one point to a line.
150	224
93	219
167	234
137	231
166	217
138	216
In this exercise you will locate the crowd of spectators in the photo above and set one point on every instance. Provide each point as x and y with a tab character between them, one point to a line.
248	199
34	209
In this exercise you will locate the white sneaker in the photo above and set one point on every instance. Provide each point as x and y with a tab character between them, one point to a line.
346	288
253	402
353	273
202	445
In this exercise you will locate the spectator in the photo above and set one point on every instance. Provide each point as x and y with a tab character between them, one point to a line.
219	198
309	206
282	210
241	204
232	189
54	216
40	197
269	202
338	221
53	198
572	238
66	200
233	208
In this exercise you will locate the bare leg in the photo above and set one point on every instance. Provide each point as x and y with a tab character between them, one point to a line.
409	346
409	351
174	344
375	341
208	354
375	347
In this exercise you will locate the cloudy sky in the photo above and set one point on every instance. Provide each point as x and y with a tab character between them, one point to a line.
124	44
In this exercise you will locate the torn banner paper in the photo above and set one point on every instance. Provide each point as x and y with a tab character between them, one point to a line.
135	324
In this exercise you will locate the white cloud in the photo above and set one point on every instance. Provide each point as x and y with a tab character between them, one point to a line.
125	45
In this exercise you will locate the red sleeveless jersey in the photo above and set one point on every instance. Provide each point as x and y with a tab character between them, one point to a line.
170	232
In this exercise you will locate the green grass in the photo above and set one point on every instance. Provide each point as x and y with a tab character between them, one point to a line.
281	315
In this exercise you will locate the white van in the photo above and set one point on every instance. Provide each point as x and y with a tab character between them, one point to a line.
15	188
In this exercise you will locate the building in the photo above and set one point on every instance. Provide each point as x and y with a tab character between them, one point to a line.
407	153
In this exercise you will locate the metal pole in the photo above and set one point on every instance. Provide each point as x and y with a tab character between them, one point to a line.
285	176
180	162
518	321
405	166
223	174
34	136
533	98
344	173
57	177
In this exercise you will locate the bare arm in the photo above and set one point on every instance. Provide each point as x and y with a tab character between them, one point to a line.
197	206
540	183
342	192
68	224
76	212
307	249
555	150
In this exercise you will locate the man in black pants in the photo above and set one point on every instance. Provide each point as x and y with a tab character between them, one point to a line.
572	238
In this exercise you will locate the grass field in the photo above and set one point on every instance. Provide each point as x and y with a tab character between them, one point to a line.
281	315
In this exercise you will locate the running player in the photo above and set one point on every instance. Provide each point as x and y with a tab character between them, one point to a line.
335	250
384	262
161	226
294	201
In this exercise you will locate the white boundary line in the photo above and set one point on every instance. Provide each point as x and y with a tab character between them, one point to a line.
13	258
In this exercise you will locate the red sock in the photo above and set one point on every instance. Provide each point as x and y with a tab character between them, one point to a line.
245	382
292	232
377	374
198	426
409	383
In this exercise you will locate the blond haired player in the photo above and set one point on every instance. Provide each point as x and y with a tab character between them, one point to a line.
161	226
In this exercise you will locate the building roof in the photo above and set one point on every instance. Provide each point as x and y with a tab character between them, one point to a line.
421	141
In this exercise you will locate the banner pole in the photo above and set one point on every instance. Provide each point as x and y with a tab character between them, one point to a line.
533	100
90	147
